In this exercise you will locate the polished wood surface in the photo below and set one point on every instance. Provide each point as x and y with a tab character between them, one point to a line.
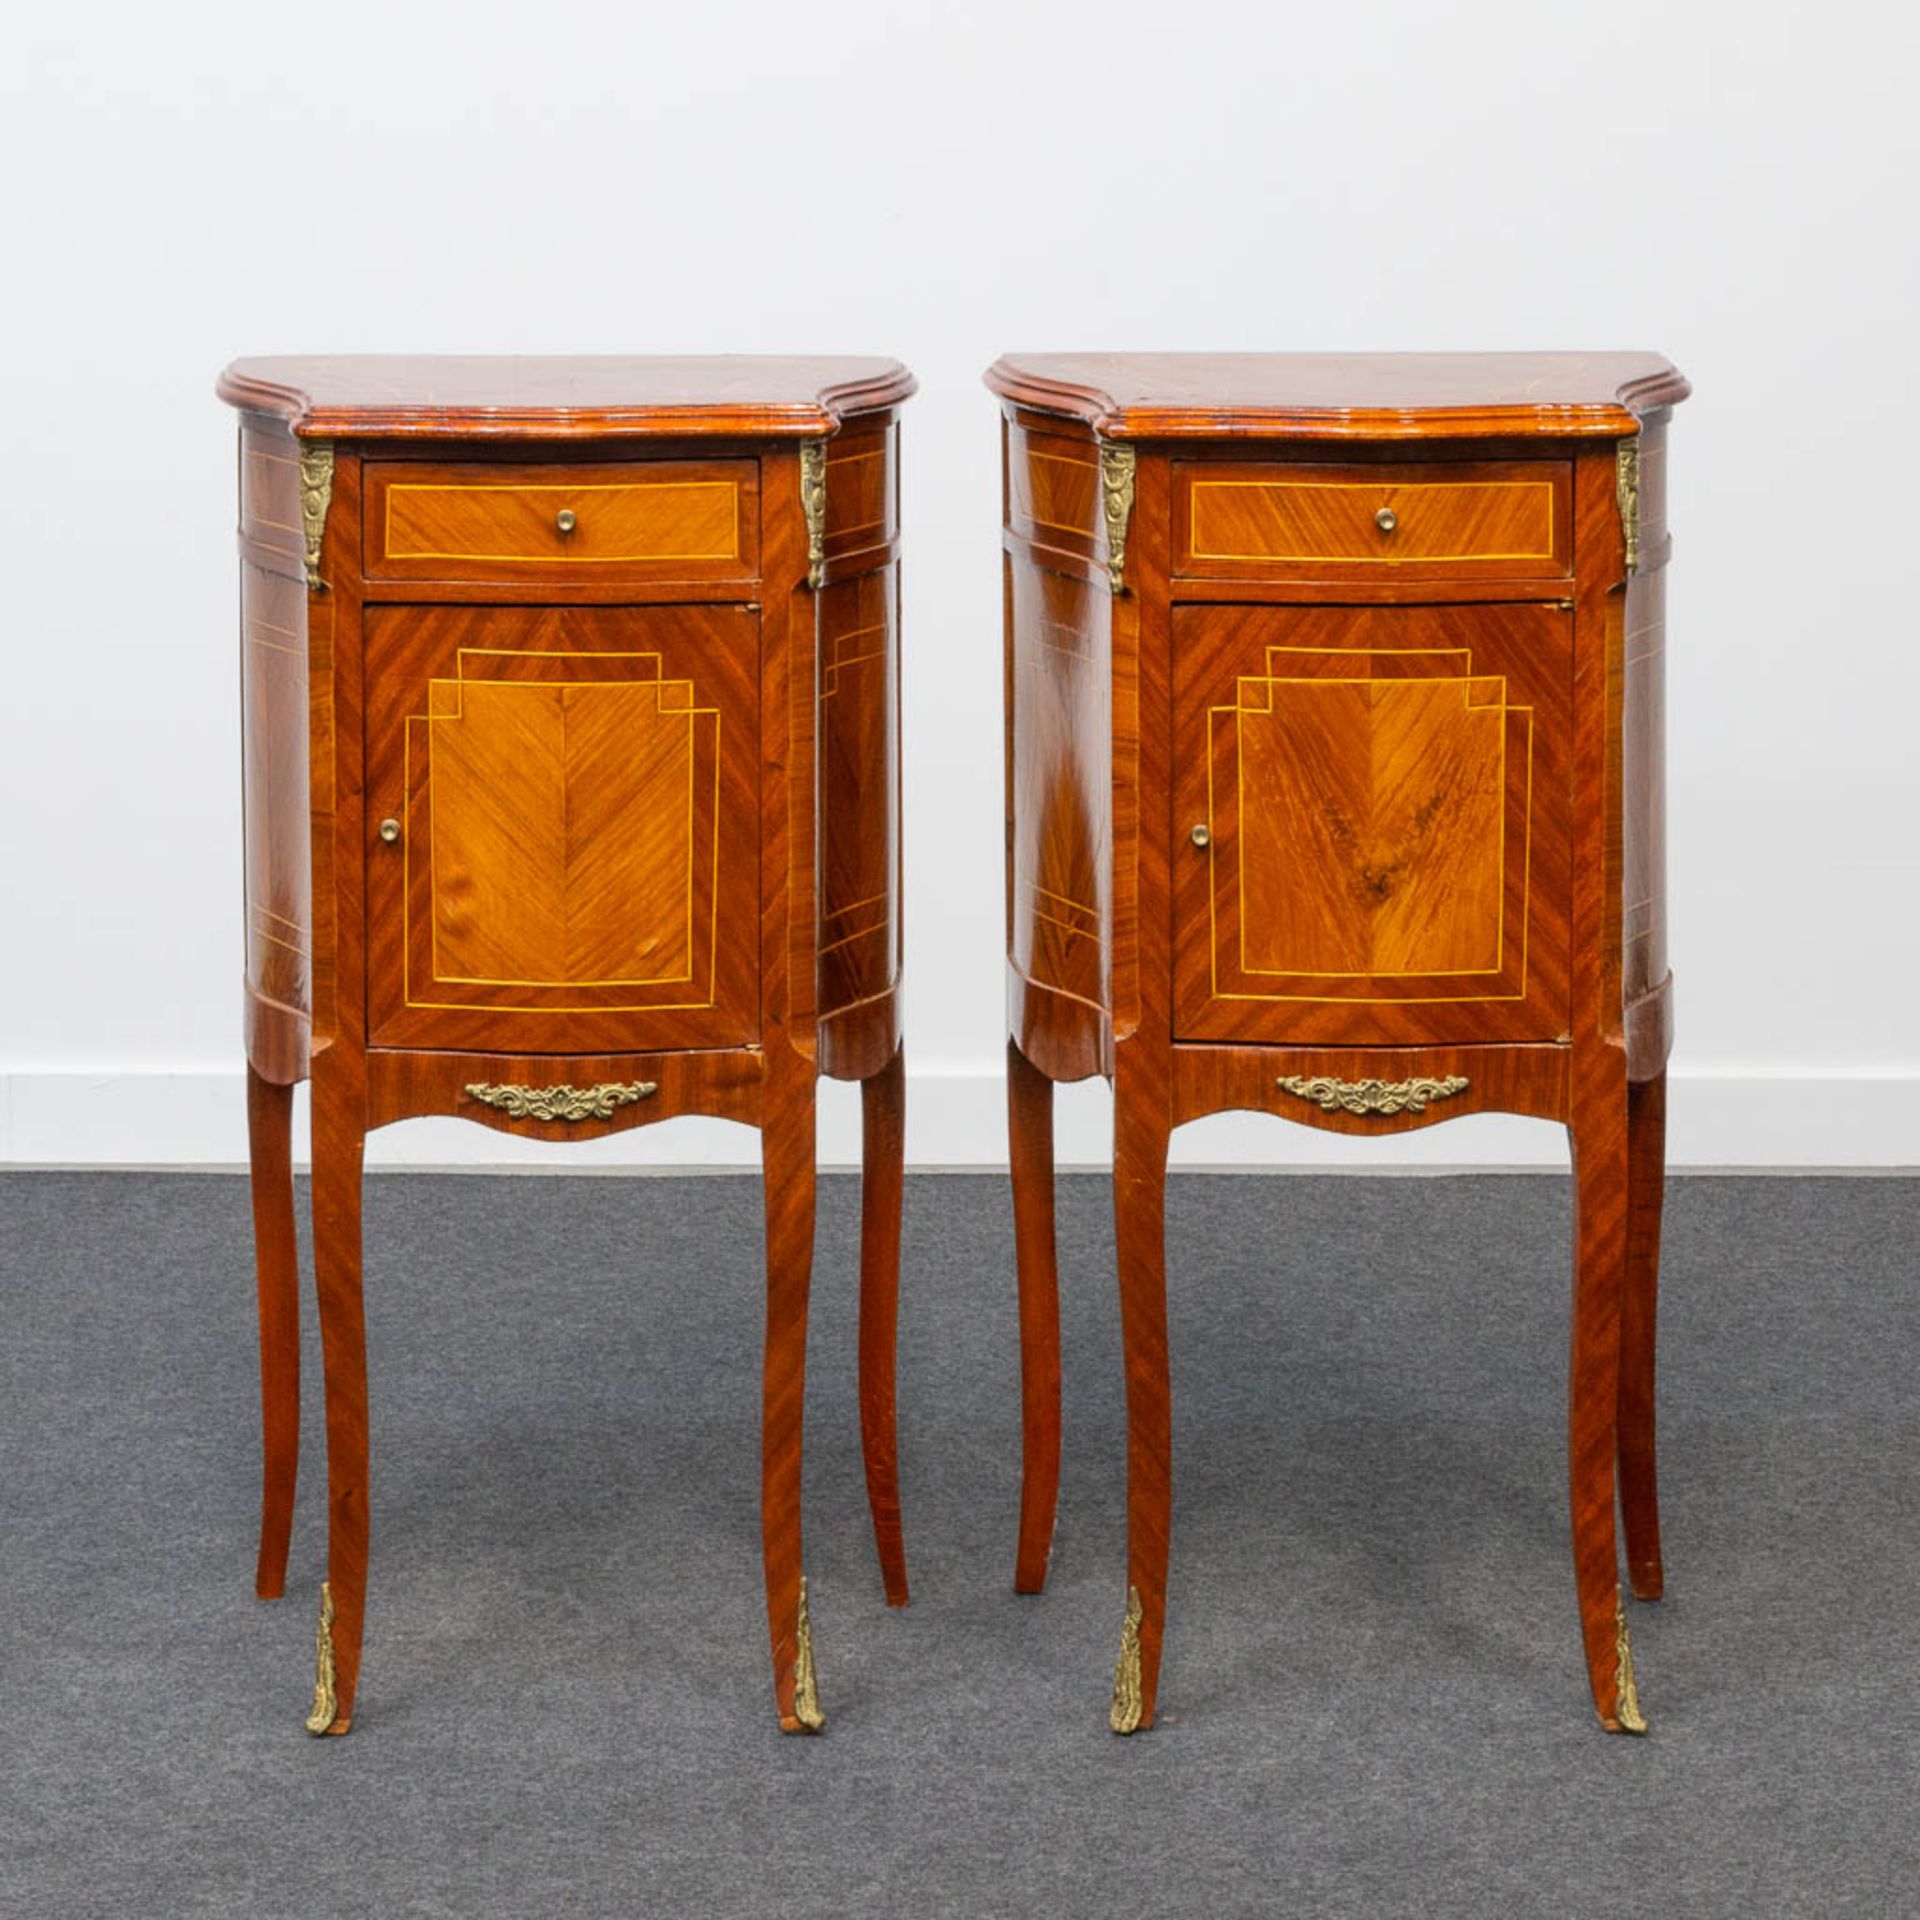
1487	520
450	397
567	830
1340	396
1371	822
615	523
277	1264
572	798
1359	836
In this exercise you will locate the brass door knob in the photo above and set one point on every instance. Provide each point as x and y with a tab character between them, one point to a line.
566	519
389	831
1200	836
1386	519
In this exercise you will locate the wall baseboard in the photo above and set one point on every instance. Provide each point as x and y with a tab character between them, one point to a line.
957	1118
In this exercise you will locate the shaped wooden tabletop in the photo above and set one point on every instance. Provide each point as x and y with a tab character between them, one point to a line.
1342	396
376	397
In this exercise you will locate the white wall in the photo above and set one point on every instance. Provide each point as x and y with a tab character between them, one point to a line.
1731	184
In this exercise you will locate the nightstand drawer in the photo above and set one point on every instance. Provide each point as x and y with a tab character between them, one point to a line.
1507	520
661	520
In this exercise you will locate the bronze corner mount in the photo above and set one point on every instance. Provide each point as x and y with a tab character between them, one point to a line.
1627	484
1117	465
813	503
316	495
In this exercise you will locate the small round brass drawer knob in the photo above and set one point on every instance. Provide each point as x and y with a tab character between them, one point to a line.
1386	519
566	519
389	831
1200	836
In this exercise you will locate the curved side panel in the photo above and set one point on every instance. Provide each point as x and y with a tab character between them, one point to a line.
274	745
857	737
1643	725
1059	613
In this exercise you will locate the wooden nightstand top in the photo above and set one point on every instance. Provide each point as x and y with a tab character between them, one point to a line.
377	397
1343	396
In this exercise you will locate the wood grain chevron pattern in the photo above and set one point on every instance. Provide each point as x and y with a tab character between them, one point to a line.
1386	793
565	793
666	519
1496	520
574	789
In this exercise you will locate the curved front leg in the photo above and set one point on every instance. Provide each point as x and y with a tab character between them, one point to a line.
277	1274
339	1150
1639	1481
1599	1139
1030	1153
883	1115
787	1175
1140	1212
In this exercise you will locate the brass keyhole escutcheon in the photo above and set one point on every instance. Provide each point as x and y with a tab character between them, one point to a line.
566	519
390	831
1200	836
1386	519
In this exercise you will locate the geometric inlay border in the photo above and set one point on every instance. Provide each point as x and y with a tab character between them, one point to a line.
1254	694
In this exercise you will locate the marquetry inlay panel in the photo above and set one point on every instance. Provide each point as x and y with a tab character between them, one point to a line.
859	749
1496	520
642	521
1374	786
569	833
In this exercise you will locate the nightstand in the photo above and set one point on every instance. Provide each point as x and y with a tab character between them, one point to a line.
570	712
1335	792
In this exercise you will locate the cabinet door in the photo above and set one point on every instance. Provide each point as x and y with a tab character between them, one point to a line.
575	867
1385	795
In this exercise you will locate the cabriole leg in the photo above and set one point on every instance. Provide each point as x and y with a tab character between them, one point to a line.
1030	1141
1599	1139
787	1167
883	1165
1139	1198
277	1272
1646	1189
339	1151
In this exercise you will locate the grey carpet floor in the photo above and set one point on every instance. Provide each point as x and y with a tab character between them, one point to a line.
1372	1700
